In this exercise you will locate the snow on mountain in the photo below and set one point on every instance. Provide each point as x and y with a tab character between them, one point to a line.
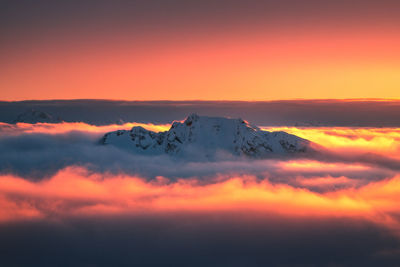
35	116
207	136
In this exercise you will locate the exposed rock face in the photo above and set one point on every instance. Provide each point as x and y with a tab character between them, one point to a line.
207	135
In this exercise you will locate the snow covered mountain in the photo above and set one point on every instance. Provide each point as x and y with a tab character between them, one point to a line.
200	135
36	116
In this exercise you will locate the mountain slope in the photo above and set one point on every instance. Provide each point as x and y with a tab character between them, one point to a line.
36	116
201	135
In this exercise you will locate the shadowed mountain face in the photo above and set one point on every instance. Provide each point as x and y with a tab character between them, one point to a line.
36	116
207	136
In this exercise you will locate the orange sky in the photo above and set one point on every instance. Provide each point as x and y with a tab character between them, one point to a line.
249	60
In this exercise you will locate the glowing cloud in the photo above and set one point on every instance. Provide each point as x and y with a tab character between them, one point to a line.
75	192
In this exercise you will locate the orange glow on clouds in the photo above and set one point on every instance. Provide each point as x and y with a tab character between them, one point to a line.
74	191
384	141
52	128
377	140
348	140
324	182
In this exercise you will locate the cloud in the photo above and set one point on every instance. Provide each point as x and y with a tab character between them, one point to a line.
65	127
383	141
76	191
76	215
41	150
65	200
37	156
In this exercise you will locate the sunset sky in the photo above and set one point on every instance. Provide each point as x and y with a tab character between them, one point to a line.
200	133
207	50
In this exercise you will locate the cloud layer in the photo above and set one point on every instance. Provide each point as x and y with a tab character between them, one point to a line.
336	207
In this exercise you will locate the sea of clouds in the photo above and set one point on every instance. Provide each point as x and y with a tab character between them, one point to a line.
68	200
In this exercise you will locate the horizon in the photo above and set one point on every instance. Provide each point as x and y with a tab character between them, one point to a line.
210	100
333	113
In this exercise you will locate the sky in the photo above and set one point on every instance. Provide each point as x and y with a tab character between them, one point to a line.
199	50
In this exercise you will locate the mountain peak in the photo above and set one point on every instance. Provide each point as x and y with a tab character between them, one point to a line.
192	117
36	116
206	136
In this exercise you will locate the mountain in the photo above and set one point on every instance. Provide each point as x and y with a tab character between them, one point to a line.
200	135
36	116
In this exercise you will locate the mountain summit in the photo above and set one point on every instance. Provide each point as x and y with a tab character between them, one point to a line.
201	135
35	116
